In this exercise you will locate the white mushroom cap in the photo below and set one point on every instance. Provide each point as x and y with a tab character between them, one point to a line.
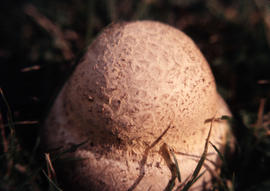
135	80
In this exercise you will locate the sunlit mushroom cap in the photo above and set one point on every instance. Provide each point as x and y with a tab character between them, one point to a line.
140	86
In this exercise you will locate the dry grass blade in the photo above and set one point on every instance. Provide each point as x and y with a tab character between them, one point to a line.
3	135
23	123
144	159
9	113
259	123
263	82
51	182
5	149
50	169
73	147
31	68
9	146
165	153
51	175
52	29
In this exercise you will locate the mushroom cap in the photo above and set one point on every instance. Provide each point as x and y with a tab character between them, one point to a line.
136	80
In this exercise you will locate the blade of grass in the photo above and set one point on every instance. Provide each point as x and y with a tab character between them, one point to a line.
260	113
3	135
74	147
9	113
50	169
199	176
177	166
60	153
11	142
170	185
195	174
144	159
165	152
51	182
218	152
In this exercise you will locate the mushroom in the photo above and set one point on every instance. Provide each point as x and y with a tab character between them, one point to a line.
142	92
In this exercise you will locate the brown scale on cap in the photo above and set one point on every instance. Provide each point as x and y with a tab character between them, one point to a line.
135	80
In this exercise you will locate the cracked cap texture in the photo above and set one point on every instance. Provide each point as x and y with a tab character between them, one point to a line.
135	80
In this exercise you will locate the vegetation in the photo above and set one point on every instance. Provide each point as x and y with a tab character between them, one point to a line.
41	41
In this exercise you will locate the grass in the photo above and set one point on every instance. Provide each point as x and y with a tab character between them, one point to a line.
251	155
234	37
21	169
245	169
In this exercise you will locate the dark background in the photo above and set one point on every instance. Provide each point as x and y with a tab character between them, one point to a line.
40	41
